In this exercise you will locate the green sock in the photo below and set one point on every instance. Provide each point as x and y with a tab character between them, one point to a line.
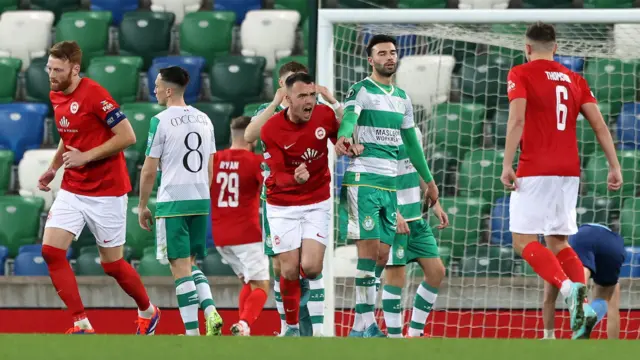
204	291
392	309
188	304
426	296
379	270
365	294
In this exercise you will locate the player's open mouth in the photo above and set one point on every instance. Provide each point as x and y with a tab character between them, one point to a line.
307	110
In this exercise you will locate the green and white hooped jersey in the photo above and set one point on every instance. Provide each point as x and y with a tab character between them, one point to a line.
382	111
182	138
408	190
260	146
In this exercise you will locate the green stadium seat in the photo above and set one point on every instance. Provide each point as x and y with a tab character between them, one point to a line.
150	266
6	5
212	265
630	221
118	74
220	114
363	4
9	71
596	171
458	127
58	7
587	141
500	119
608	4
133	159
612	80
415	271
84	240
527	270
146	34
442	165
345	40
465	222
300	6
37	81
207	33
139	115
19	221
458	49
90	29
137	237
480	174
88	264
305	36
6	164
484	77
483	261
276	76
593	209
547	4
92	249
250	109
422	4
237	79
348	70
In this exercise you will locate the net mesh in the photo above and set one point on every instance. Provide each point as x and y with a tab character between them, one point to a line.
456	75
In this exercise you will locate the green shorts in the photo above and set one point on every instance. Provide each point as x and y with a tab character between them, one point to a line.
180	237
266	230
418	244
368	213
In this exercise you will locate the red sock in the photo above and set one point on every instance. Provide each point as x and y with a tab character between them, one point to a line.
242	299
290	291
64	280
253	306
571	265
129	281
544	263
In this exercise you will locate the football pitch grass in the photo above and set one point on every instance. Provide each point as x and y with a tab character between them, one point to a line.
112	347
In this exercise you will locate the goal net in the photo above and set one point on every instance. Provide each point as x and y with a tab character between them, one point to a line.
454	65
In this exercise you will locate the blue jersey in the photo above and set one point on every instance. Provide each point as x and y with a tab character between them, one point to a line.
601	251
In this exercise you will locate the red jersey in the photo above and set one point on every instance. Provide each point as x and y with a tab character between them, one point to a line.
287	145
84	120
235	197
554	94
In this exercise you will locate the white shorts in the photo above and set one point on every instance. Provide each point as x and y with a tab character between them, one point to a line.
290	224
106	216
544	205
248	261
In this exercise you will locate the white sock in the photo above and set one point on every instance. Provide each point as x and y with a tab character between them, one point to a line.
83	324
279	305
204	291
549	334
316	304
565	289
148	313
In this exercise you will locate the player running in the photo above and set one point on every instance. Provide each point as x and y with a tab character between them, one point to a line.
368	203
235	201
545	99
93	133
602	253
181	146
298	189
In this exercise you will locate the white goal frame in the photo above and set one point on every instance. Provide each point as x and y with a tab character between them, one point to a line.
325	66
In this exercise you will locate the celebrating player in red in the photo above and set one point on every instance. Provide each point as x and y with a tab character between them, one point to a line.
93	133
235	201
298	188
545	100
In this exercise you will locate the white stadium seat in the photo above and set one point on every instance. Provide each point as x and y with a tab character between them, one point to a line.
179	7
25	34
426	78
483	4
625	37
33	164
269	33
345	259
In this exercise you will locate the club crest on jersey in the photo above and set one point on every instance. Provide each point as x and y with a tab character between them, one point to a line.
400	252
368	223
74	107
350	93
320	133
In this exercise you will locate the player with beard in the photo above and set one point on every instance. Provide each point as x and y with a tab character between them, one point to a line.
368	203
93	133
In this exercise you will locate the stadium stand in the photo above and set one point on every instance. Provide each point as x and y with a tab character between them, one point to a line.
117	8
269	34
33	164
146	34
240	8
22	127
178	7
58	7
208	34
19	221
30	264
194	66
90	29
118	74
35	29
9	71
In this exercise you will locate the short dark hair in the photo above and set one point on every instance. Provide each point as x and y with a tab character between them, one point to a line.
240	123
292	66
298	77
175	75
67	50
380	39
541	32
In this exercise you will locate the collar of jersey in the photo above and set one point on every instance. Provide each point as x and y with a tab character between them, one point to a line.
380	87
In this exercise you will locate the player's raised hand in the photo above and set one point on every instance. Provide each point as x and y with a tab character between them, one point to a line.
326	94
509	179
614	179
74	157
145	218
439	212
432	194
342	146
402	225
279	96
45	179
301	173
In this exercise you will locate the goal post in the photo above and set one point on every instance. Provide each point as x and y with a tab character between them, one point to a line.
454	63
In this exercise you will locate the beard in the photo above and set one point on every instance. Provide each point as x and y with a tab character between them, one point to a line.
384	71
61	85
